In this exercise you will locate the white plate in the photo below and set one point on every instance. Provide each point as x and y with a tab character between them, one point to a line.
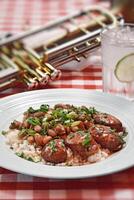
13	106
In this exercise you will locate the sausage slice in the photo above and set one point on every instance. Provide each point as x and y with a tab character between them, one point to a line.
108	120
54	151
106	138
81	144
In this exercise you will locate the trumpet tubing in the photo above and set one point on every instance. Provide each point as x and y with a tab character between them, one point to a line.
36	55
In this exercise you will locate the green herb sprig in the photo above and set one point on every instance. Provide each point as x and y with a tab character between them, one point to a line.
86	141
52	145
34	121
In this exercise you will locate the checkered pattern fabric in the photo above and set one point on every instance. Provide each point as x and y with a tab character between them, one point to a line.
14	15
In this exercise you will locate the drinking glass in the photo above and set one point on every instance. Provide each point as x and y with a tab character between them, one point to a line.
118	60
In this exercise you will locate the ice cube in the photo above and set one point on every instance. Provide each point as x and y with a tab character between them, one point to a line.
120	35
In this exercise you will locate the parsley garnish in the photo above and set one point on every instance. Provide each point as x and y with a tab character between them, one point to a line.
113	130
52	123
44	108
88	111
125	133
121	139
62	143
34	121
43	132
20	154
84	109
30	159
86	141
92	110
3	132
60	114
52	145
31	110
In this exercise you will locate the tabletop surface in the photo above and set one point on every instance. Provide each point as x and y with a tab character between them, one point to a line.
14	15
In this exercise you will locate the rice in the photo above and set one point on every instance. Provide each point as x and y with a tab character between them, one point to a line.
22	148
100	155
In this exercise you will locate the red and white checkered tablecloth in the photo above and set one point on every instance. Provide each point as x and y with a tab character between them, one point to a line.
14	14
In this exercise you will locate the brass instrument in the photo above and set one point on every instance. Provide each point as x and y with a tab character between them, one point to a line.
34	57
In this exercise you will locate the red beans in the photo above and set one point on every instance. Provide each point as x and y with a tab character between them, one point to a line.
63	136
30	139
38	114
68	129
60	129
64	106
41	140
51	132
25	124
46	139
82	117
74	128
37	128
88	124
81	125
15	125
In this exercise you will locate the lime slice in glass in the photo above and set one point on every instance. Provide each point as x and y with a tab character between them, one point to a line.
124	70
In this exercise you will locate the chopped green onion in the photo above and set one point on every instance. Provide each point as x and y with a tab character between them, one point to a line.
68	122
82	133
76	123
71	135
72	115
31	132
27	131
45	125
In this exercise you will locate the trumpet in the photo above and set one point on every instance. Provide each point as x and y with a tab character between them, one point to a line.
35	57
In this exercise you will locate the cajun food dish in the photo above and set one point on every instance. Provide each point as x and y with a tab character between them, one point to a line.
65	135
